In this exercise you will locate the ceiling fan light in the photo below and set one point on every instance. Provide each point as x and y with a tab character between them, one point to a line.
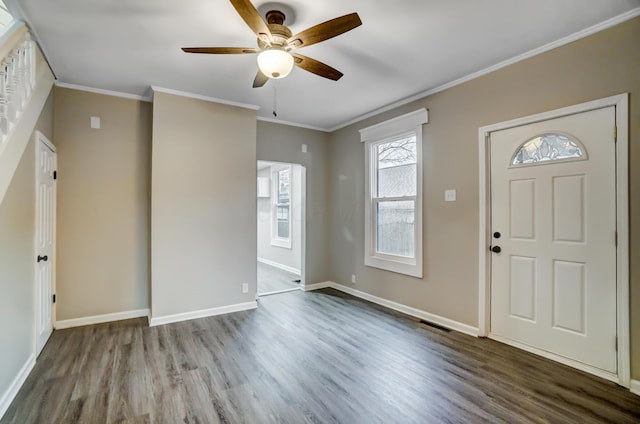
275	63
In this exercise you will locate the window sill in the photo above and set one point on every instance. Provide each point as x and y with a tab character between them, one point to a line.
409	267
286	244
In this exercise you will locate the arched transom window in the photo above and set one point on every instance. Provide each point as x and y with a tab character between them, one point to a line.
548	148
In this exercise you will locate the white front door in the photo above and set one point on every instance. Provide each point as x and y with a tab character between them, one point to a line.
553	221
45	239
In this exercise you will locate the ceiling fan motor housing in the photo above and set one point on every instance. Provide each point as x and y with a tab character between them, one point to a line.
279	32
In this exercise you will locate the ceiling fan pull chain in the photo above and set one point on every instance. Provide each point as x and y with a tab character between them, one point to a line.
275	98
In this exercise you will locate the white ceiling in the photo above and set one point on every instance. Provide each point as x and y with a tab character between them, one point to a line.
403	48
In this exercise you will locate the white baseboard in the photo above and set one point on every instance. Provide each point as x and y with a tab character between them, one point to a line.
11	392
279	266
168	319
317	286
408	310
635	387
99	319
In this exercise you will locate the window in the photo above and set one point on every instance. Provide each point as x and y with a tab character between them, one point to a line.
281	212
548	147
393	210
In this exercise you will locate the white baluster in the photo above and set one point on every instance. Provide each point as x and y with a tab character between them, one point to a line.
31	53
11	111
22	76
17	76
17	84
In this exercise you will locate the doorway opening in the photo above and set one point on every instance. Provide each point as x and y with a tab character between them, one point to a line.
281	226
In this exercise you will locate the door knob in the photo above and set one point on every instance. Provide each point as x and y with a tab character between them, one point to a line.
43	258
496	249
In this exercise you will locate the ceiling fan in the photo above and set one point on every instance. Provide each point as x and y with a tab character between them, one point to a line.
276	42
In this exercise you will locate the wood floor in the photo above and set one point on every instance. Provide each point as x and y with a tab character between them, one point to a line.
272	279
317	357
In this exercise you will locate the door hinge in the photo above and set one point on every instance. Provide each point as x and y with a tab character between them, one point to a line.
55	175
54	298
616	238
615	134
616	343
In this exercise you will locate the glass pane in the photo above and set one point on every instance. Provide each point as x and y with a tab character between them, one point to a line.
548	147
397	167
283	229
395	228
283	186
283	213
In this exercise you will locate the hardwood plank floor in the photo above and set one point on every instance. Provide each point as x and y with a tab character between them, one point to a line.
272	279
317	357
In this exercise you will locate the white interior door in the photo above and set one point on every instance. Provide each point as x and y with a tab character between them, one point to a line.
553	203
45	239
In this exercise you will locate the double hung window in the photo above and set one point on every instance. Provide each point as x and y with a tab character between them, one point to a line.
393	210
281	215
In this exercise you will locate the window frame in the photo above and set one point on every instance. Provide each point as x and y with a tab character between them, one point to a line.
275	190
372	137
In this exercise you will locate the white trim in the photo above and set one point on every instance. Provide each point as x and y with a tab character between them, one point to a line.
201	97
635	387
279	266
221	310
290	124
292	289
99	319
395	125
317	286
103	91
621	104
622	221
531	53
9	395
407	310
557	358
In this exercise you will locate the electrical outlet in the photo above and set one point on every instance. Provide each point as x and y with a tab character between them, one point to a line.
304	148
245	288
449	195
353	278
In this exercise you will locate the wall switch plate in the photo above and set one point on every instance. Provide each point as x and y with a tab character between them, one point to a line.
449	195
245	288
304	148
353	278
95	122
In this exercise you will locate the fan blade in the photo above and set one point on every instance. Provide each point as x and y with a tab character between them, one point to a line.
261	79
250	15
315	67
324	31
220	50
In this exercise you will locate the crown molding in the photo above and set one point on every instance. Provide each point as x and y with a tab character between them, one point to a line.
102	91
531	53
201	97
291	124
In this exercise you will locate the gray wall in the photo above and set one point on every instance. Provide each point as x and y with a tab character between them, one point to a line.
103	204
289	257
282	143
598	66
203	203
17	280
